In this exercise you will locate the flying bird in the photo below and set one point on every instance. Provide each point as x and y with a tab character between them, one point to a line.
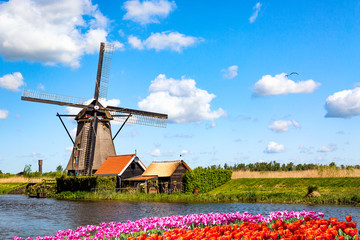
287	75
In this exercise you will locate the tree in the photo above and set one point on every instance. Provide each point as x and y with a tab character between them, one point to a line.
332	165
59	168
299	167
27	170
1	172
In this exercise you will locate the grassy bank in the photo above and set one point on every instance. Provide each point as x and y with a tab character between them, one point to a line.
111	195
281	190
342	190
8	183
325	172
6	187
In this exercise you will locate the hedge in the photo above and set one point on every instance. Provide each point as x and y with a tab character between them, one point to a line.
205	180
74	184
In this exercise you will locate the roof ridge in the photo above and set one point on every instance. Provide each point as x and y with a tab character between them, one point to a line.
166	161
123	155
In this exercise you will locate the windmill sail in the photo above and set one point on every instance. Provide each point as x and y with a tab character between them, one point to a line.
52	98
103	72
138	117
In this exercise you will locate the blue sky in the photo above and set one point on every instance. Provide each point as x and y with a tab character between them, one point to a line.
221	71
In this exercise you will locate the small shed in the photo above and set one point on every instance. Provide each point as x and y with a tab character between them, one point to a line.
165	173
122	166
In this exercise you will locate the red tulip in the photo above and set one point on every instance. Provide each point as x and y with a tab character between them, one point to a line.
348	218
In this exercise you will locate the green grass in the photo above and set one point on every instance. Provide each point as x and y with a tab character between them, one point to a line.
265	190
289	185
292	190
6	187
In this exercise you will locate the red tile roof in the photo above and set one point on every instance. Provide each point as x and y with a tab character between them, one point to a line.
115	165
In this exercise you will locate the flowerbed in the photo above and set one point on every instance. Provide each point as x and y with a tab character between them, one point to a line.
285	225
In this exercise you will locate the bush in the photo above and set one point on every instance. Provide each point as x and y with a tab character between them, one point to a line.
74	184
312	188
205	179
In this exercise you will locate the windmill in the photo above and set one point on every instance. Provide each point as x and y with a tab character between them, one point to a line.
94	142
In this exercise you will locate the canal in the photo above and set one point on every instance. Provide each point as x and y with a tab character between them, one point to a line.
29	217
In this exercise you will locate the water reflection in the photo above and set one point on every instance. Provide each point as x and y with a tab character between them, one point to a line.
27	217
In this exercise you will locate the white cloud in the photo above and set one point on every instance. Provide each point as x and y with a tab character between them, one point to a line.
304	149
173	41
185	152
13	81
118	45
343	104
69	149
230	72
274	147
283	125
181	100
147	11
255	14
51	31
179	135
36	155
111	102
4	114
135	42
280	84
41	87
121	33
73	132
328	148
156	153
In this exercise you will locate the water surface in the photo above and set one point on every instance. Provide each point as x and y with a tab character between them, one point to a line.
29	217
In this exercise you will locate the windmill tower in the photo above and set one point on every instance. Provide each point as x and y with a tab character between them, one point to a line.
94	142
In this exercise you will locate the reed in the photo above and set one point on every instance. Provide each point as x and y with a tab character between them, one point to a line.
19	179
319	173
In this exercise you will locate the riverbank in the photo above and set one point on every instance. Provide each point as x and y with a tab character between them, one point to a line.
5	188
8	184
261	190
321	172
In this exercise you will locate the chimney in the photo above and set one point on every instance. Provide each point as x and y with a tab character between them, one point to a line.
40	166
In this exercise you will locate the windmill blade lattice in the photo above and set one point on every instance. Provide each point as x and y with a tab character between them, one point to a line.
105	70
139	119
34	95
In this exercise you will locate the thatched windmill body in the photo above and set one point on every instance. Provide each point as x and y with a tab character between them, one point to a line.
94	141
